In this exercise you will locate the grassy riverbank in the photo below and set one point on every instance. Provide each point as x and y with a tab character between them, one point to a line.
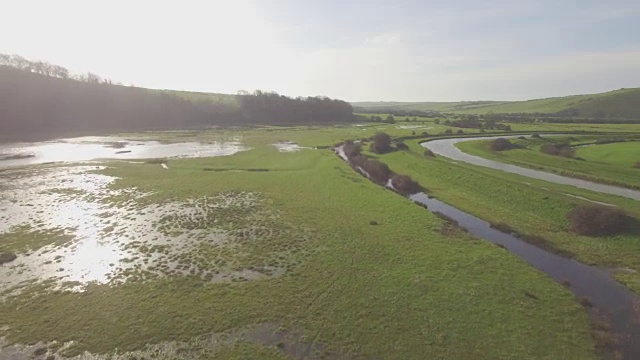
367	272
529	206
604	163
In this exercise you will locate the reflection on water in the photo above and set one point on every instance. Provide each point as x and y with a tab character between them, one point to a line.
447	148
288	146
92	148
76	233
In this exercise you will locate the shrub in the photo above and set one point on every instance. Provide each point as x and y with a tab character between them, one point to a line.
536	136
563	150
567	151
405	185
7	258
402	146
351	149
501	144
378	171
448	131
429	153
460	132
637	165
358	160
381	143
593	220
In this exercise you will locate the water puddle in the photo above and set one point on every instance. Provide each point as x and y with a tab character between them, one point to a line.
68	227
292	343
93	148
288	146
414	127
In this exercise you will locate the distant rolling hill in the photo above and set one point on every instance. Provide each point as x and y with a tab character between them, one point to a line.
623	103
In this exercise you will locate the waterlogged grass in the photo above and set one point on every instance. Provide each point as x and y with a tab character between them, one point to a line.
24	239
405	287
527	205
608	164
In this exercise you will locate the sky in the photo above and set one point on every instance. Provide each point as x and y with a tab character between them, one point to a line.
353	50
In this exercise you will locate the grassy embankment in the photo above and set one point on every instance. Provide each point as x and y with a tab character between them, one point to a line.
529	206
400	289
604	163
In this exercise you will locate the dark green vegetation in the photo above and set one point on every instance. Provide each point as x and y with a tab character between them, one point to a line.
604	159
598	220
622	104
6	257
501	144
409	287
41	101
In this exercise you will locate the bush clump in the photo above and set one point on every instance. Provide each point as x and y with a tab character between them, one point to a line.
429	153
378	171
351	149
6	258
381	143
637	165
405	185
593	220
563	150
501	144
402	146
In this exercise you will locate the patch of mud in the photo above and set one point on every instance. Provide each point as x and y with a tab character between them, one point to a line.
288	146
93	148
79	231
294	344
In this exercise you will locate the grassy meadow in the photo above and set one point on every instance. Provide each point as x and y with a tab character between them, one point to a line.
374	276
605	163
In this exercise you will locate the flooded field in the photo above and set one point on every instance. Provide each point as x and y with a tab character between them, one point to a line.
102	147
66	226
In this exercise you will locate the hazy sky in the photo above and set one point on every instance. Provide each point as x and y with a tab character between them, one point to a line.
353	50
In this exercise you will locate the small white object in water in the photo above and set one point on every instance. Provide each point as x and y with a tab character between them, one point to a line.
164	166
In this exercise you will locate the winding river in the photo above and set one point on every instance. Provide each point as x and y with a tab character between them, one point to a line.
447	148
607	297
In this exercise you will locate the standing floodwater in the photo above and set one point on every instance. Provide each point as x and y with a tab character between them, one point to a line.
93	148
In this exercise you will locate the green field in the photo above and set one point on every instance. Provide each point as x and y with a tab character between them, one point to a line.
541	210
623	103
410	287
607	163
624	155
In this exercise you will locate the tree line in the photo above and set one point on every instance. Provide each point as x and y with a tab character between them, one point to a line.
47	69
39	101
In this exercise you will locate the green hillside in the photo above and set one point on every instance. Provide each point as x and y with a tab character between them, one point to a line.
623	103
426	106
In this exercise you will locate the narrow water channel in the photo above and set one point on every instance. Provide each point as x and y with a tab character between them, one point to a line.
609	298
